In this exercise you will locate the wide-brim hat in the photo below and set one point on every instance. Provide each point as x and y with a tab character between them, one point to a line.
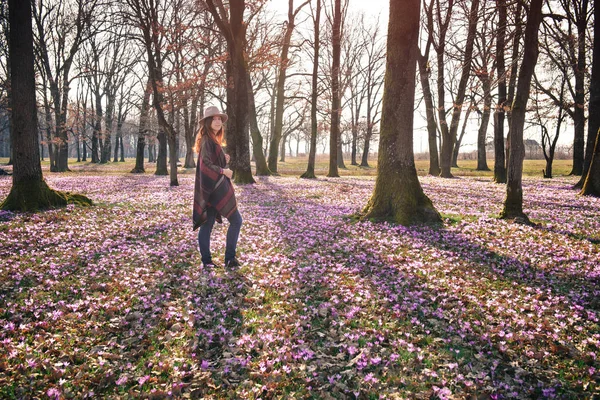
213	111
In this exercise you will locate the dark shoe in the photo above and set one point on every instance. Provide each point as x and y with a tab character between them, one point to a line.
233	263
208	266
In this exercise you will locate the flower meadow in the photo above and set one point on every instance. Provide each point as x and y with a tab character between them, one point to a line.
111	301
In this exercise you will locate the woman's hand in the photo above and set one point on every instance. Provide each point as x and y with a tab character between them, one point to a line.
228	173
227	158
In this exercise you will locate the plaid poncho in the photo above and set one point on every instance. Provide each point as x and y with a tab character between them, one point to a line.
212	188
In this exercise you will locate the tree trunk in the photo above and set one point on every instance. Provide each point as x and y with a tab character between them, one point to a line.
579	113
513	204
108	127
238	146
334	136
310	169
161	157
143	126
462	86
434	163
364	162
262	169
96	134
29	191
591	186
457	144
499	159
280	88
485	119
398	195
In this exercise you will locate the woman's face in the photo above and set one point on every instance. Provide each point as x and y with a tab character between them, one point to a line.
216	123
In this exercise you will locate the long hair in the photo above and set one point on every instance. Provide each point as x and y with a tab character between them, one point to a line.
205	129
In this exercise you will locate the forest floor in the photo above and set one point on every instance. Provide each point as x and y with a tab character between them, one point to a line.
110	301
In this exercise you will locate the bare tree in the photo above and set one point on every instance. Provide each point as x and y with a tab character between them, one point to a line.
398	195
281	79
68	21
310	169
513	204
148	16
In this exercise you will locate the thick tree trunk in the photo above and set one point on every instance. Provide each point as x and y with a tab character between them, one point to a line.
108	127
364	162
434	163
334	136
161	157
238	146
513	204
29	191
591	185
310	169
398	195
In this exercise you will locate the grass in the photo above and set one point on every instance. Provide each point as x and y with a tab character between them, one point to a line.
294	166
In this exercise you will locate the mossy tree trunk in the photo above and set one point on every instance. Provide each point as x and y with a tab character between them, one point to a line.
310	169
398	195
29	191
513	204
591	185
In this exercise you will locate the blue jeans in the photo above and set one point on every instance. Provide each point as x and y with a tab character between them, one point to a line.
233	233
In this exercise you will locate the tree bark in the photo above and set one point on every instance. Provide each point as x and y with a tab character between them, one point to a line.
398	195
334	136
579	112
513	204
310	169
499	116
234	31
434	163
485	119
143	126
591	185
29	191
262	169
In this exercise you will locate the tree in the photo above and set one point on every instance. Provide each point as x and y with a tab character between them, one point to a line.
336	111
513	204
57	57
281	78
29	191
310	169
398	195
147	17
449	140
232	27
591	186
424	74
499	115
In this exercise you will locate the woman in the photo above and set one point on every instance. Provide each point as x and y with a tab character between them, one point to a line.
213	190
